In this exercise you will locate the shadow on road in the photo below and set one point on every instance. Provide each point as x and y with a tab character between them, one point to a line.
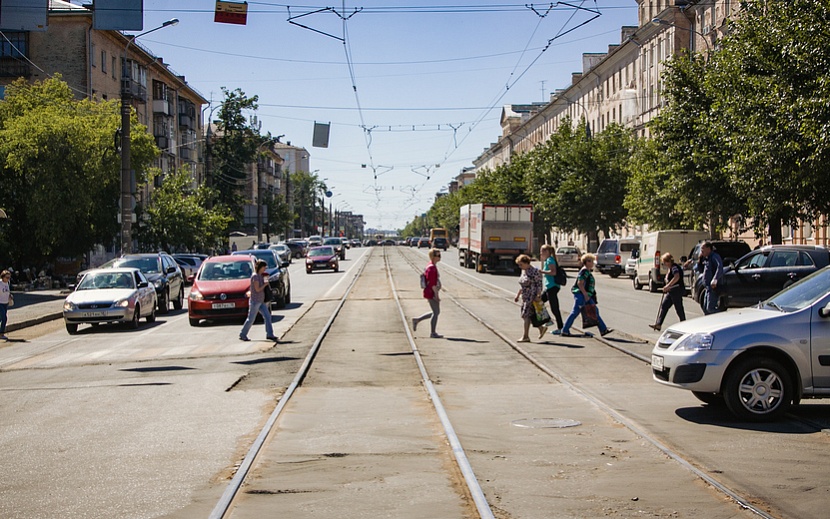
720	416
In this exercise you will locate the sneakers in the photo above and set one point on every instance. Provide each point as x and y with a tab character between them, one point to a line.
542	331
565	334
435	336
556	332
271	338
244	339
606	332
655	327
414	324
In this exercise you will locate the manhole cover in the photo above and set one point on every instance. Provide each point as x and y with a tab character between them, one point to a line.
542	423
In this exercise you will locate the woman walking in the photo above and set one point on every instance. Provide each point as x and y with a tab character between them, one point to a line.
432	284
549	268
530	290
674	288
584	292
256	303
5	297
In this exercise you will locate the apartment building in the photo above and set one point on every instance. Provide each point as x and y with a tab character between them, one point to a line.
90	62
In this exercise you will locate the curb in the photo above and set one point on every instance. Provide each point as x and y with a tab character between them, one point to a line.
12	327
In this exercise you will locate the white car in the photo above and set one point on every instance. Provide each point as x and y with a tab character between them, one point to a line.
757	361
568	257
114	295
283	252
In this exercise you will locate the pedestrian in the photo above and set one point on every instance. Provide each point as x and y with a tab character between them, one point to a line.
431	286
584	291
530	290
549	268
233	247
257	303
675	290
712	276
5	299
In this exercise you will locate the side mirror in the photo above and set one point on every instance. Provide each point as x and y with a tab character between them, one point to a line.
824	312
285	264
170	270
71	288
143	284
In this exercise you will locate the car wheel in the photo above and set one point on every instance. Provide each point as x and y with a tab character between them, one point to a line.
652	284
308	271
72	329
193	322
337	268
757	389
637	284
164	305
288	296
152	317
614	274
280	302
136	317
713	399
179	302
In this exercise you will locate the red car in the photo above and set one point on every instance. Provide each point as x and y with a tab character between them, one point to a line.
221	288
324	257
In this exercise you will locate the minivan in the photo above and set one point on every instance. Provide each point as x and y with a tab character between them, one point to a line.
654	244
612	254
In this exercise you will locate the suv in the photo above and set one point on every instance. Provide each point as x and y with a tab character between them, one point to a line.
764	272
613	254
439	243
730	252
162	271
337	243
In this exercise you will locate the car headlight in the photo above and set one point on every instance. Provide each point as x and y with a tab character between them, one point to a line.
696	342
123	303
196	296
69	306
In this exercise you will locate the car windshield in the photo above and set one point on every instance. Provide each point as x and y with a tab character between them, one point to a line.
321	251
803	293
566	250
146	265
265	255
222	271
332	241
105	280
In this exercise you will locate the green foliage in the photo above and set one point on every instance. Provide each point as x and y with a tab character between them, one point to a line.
60	171
305	192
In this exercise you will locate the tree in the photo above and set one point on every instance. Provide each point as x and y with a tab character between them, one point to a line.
305	189
61	171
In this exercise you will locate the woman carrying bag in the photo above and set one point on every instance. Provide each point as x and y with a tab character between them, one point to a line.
675	290
258	304
551	270
431	285
585	293
530	290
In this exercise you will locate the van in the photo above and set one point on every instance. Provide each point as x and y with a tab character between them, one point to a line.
654	244
612	254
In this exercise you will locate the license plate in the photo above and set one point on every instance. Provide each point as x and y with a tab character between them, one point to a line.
219	306
657	362
93	314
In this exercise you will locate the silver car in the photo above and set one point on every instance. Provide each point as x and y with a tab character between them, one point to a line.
568	257
115	295
757	361
283	252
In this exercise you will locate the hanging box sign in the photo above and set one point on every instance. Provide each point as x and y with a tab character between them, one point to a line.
231	12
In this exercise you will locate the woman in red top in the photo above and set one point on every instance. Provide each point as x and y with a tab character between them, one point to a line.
433	285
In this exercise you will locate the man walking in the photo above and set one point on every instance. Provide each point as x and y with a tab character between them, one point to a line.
712	276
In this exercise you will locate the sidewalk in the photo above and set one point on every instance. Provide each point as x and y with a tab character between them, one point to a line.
35	307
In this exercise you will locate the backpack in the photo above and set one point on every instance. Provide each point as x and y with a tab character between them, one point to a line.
561	277
423	281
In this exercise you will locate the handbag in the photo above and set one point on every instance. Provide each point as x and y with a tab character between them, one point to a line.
268	294
540	316
589	315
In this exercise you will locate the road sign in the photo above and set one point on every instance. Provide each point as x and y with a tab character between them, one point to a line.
231	12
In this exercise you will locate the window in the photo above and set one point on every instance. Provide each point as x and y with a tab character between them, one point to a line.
104	61
92	54
113	67
15	47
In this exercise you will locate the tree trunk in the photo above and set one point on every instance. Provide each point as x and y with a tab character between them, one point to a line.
774	229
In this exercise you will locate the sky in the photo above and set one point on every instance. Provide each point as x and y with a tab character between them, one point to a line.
413	90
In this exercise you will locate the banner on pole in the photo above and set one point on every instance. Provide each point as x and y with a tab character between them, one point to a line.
231	12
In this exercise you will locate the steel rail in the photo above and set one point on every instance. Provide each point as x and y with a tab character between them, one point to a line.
470	479
632	425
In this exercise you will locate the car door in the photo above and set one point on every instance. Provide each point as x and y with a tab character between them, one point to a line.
783	268
145	296
174	279
820	345
743	284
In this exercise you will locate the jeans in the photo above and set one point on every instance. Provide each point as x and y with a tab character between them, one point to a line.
265	310
710	301
4	317
579	302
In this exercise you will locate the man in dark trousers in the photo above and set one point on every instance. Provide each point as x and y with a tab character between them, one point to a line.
712	276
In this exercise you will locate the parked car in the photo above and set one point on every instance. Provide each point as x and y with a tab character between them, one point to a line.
423	241
162	271
113	295
631	264
323	257
763	272
298	248
283	253
190	264
278	278
355	242
568	257
757	361
337	243
314	241
221	288
440	243
612	255
730	252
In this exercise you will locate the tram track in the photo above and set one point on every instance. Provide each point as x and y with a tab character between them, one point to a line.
631	424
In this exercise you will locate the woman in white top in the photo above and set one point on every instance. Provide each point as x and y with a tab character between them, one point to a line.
5	295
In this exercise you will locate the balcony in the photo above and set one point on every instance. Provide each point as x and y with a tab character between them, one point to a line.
14	68
186	121
133	90
187	154
161	106
162	142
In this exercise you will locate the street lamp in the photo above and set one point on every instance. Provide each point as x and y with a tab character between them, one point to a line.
659	21
126	170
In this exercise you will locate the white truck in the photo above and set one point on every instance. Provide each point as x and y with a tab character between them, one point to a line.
491	237
654	244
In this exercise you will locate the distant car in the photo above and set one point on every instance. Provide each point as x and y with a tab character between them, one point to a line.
221	288
278	278
568	257
369	243
315	241
298	248
113	295
162	271
323	257
389	241
346	242
757	361
439	243
355	242
423	242
190	264
337	243
631	264
283	252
